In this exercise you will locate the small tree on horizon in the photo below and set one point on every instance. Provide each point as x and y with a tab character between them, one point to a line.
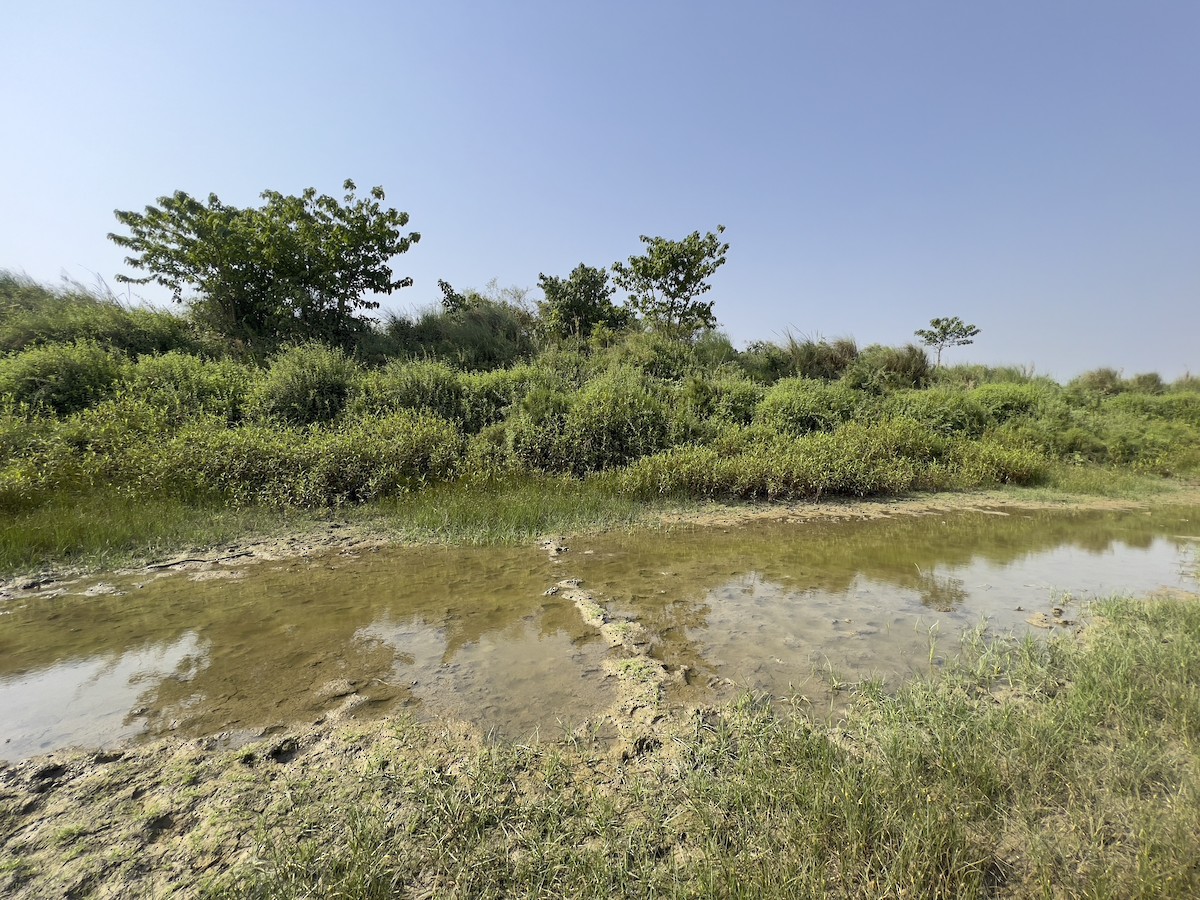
665	283
948	332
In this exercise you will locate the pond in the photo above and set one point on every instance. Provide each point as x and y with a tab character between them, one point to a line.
471	634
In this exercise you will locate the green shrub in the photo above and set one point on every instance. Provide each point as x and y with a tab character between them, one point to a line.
856	460
986	463
488	396
35	462
766	362
186	385
1004	401
488	455
879	369
821	359
427	386
1104	381
59	378
611	421
485	333
1186	382
305	384
735	399
1146	383
944	410
1176	407
653	353
972	375
724	395
369	459
800	405
314	467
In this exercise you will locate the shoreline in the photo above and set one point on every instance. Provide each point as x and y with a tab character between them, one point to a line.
352	533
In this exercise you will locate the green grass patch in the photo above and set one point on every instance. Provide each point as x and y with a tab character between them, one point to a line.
1068	767
504	512
106	529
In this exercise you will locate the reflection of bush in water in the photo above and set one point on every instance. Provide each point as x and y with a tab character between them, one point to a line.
942	593
830	556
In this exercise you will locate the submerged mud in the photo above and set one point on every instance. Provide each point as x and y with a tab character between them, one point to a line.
236	645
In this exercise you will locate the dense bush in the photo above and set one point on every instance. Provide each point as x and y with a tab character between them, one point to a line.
724	396
305	384
427	385
484	333
800	405
659	416
611	421
1173	407
766	362
186	385
355	462
1104	381
821	359
944	410
1004	401
878	369
857	460
59	378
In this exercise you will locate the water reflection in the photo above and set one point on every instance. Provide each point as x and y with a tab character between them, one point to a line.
468	633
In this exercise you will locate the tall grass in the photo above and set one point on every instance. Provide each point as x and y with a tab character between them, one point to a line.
32	315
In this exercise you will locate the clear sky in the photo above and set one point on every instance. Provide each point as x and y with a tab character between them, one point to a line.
1032	166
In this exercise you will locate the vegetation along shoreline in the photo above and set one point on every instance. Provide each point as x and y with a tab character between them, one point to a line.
274	418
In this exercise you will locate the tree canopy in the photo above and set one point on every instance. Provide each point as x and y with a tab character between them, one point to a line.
575	305
947	332
297	267
664	284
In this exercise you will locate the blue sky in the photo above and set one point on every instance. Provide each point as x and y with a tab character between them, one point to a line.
1033	167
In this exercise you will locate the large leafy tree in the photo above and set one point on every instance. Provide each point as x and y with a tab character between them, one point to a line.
295	267
946	332
575	305
666	282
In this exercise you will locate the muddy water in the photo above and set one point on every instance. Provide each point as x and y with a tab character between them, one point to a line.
470	634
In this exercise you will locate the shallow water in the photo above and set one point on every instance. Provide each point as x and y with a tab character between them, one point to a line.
469	634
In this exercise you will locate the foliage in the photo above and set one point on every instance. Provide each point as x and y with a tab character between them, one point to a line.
665	283
1002	401
483	331
61	378
294	268
879	369
32	315
947	332
305	384
945	411
360	461
800	405
611	421
185	386
821	359
1104	382
574	306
